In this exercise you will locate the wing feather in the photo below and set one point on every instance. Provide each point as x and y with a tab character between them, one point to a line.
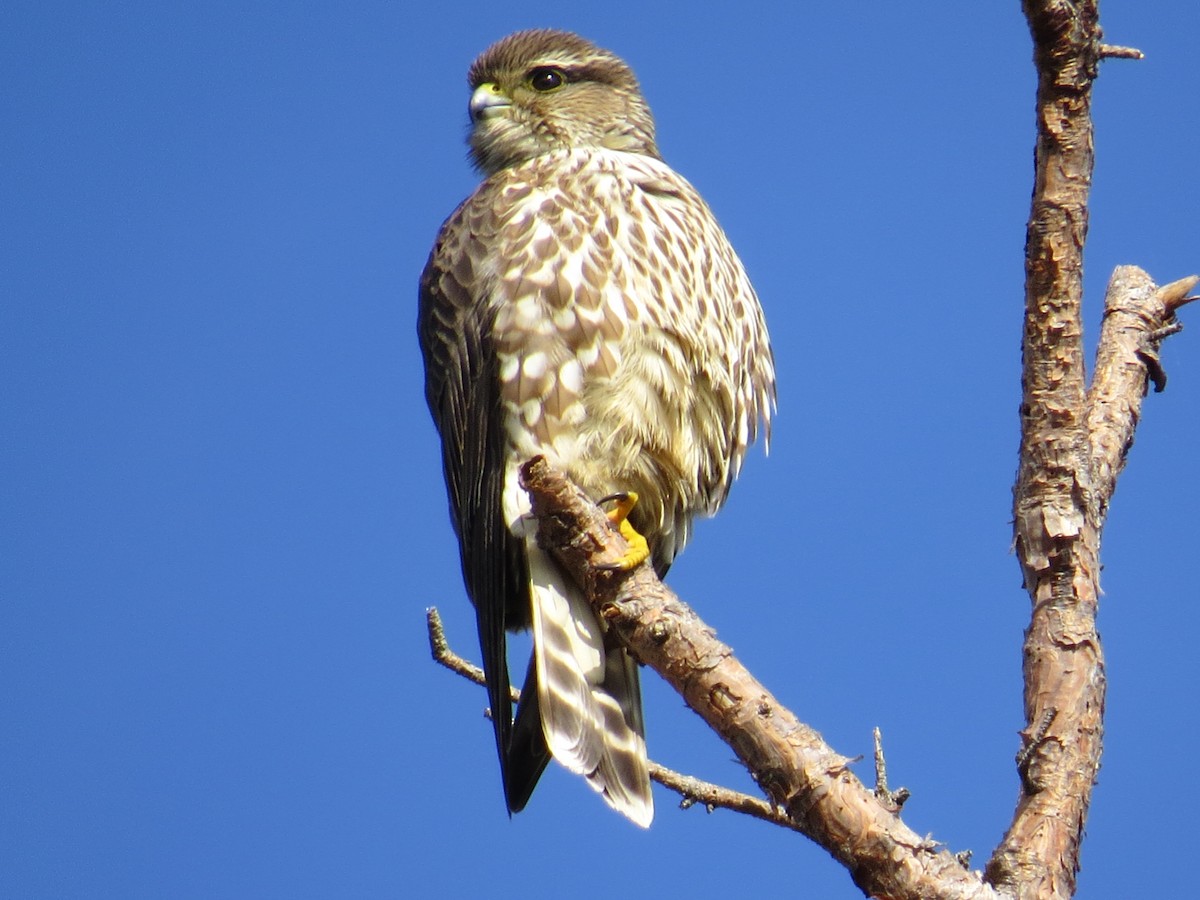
460	388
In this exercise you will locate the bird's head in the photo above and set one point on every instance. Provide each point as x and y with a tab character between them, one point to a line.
537	91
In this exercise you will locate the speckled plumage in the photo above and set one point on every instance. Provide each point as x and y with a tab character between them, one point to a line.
582	304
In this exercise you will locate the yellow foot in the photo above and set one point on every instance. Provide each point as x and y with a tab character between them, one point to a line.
638	550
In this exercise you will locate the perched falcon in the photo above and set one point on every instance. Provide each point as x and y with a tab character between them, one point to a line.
582	304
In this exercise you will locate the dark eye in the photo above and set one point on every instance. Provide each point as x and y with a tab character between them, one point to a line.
546	78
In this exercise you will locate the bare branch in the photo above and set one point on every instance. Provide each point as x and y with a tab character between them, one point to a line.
803	777
712	796
1074	441
893	800
1056	529
1138	315
1113	51
443	655
1175	294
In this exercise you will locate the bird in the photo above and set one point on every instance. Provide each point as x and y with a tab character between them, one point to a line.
584	305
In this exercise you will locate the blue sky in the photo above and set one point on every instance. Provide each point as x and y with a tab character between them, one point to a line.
224	515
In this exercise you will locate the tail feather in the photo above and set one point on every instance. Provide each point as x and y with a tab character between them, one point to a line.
623	778
568	652
588	694
527	753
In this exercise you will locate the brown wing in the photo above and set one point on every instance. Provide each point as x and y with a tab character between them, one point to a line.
461	390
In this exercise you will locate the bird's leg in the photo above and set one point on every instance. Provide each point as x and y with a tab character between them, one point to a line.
624	502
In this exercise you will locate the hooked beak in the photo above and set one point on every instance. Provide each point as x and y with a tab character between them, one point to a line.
487	100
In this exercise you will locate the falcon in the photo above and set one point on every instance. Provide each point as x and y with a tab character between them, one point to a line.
582	304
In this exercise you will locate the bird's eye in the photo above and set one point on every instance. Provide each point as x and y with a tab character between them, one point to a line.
546	78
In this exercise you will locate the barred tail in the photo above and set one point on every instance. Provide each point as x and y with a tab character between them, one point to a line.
588	694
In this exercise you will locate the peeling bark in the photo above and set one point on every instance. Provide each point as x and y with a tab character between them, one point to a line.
1073	445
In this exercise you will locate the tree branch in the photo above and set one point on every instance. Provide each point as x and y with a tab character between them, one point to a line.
1057	540
1113	51
803	777
1073	444
1138	315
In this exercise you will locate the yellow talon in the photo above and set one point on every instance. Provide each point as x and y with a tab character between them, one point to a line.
638	550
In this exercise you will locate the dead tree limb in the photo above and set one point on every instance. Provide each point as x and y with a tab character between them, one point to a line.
1057	535
800	774
1074	440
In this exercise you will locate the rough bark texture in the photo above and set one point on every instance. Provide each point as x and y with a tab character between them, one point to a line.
799	772
1073	445
1137	316
1057	535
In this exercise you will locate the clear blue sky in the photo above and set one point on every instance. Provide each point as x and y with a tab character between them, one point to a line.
223	515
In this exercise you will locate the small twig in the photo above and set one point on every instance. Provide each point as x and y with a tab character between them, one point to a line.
880	765
1175	294
1025	754
892	800
1159	334
691	789
444	656
713	796
1115	51
1154	367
